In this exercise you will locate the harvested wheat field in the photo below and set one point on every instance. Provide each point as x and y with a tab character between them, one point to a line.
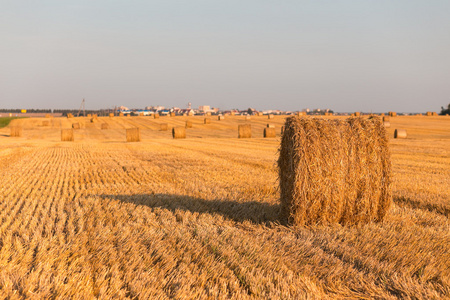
198	218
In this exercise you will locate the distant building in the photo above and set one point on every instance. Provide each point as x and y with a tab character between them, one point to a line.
204	108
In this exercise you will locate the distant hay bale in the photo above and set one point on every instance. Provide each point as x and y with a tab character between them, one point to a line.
270	116
382	114
93	120
392	114
188	124
105	126
155	116
208	114
248	117
111	115
232	113
45	123
386	119
89	115
141	114
207	121
121	114
301	113
172	114
352	115
220	118
387	124
164	127
76	125
49	116
269	132
245	131
179	133
67	135
270	126
435	113
69	115
260	114
334	171
95	116
15	131
429	113
400	134
133	135
357	114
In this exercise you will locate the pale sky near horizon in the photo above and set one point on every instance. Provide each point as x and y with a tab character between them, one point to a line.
367	56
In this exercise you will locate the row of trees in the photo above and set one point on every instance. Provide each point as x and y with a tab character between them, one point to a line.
445	111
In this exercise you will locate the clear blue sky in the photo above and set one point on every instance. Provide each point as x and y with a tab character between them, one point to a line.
345	55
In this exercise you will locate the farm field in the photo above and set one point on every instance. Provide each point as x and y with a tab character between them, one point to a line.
197	218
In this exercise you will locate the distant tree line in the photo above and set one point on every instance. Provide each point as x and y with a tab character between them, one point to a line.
445	111
99	112
3	110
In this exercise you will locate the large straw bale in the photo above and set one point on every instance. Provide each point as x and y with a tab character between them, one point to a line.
245	131
429	113
76	125
400	134
386	118
232	113
220	118
111	115
164	127
357	114
435	113
67	135
188	124
15	131
179	132
269	132
301	113
392	114
105	126
334	171
156	116
208	114
133	135
270	126
207	121
89	115
95	116
387	124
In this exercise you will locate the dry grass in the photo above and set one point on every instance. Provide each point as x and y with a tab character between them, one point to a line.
133	135
67	135
334	171
245	131
105	126
198	218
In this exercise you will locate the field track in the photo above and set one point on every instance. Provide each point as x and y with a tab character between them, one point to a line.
197	218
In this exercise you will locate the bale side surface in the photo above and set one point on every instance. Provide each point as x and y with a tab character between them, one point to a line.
133	135
76	125
15	131
269	132
334	171
188	124
207	121
400	134
245	131
164	127
179	133
220	118
270	116
67	135
387	124
386	118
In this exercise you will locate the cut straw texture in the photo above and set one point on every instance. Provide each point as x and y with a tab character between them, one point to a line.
133	135
245	131
400	134
76	125
269	132
67	135
179	133
15	131
164	127
334	171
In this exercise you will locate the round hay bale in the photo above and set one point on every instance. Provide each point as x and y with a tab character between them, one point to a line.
207	121
141	114
15	131
382	114
220	118
67	135
270	126
105	126
270	116
76	125
400	134
387	124
121	114
172	114
156	116
301	113
435	113
89	115
269	132
232	113
429	113
111	115
188	124
385	119
245	131
357	114
392	114
133	135
164	127
69	115
208	114
334	171
179	133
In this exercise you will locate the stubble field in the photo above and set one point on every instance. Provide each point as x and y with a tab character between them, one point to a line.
198	218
